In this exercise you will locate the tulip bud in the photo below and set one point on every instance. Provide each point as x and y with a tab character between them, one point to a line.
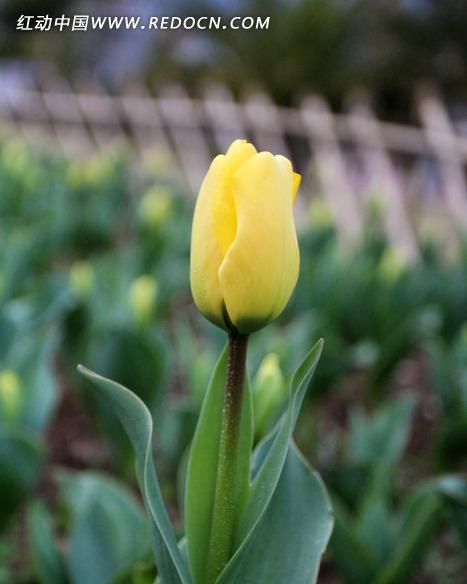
143	294
157	162
155	207
269	389
244	251
10	394
391	265
82	279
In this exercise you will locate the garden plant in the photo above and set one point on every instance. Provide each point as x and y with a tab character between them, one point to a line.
260	516
95	269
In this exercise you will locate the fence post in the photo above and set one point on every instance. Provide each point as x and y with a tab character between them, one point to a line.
264	118
225	116
330	167
184	120
144	119
101	113
32	120
64	114
444	143
382	174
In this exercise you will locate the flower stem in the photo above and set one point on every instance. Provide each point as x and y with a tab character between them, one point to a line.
224	510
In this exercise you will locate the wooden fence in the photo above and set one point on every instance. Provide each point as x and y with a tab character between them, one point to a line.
418	170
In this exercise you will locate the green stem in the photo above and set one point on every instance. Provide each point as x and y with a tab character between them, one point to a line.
224	511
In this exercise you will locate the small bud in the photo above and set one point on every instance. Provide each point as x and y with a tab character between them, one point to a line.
92	172
143	295
155	207
157	162
10	394
391	265
82	279
269	390
376	205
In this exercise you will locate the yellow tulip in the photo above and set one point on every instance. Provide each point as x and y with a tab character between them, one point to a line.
244	252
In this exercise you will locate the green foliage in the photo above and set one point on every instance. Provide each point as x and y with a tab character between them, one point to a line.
278	469
137	421
48	563
77	239
108	532
449	367
20	463
378	539
276	465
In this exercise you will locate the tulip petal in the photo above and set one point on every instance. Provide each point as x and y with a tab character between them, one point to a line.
296	180
206	257
223	204
260	269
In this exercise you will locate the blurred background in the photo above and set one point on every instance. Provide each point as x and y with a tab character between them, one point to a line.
104	139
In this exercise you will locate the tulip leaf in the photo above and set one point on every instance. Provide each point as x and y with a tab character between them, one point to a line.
48	564
203	464
20	464
137	422
274	449
293	532
350	551
270	458
417	532
109	531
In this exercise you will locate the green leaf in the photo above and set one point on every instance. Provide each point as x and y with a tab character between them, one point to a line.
137	422
453	488
48	564
276	445
270	459
416	533
349	551
381	438
293	532
139	359
20	463
109	531
40	383
202	467
129	358
373	523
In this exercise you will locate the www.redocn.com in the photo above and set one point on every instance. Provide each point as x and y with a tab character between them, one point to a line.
83	22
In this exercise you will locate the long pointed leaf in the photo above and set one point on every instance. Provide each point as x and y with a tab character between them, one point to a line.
137	422
47	561
293	533
349	550
416	534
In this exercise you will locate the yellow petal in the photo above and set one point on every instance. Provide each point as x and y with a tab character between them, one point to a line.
296	180
206	256
260	269
223	205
